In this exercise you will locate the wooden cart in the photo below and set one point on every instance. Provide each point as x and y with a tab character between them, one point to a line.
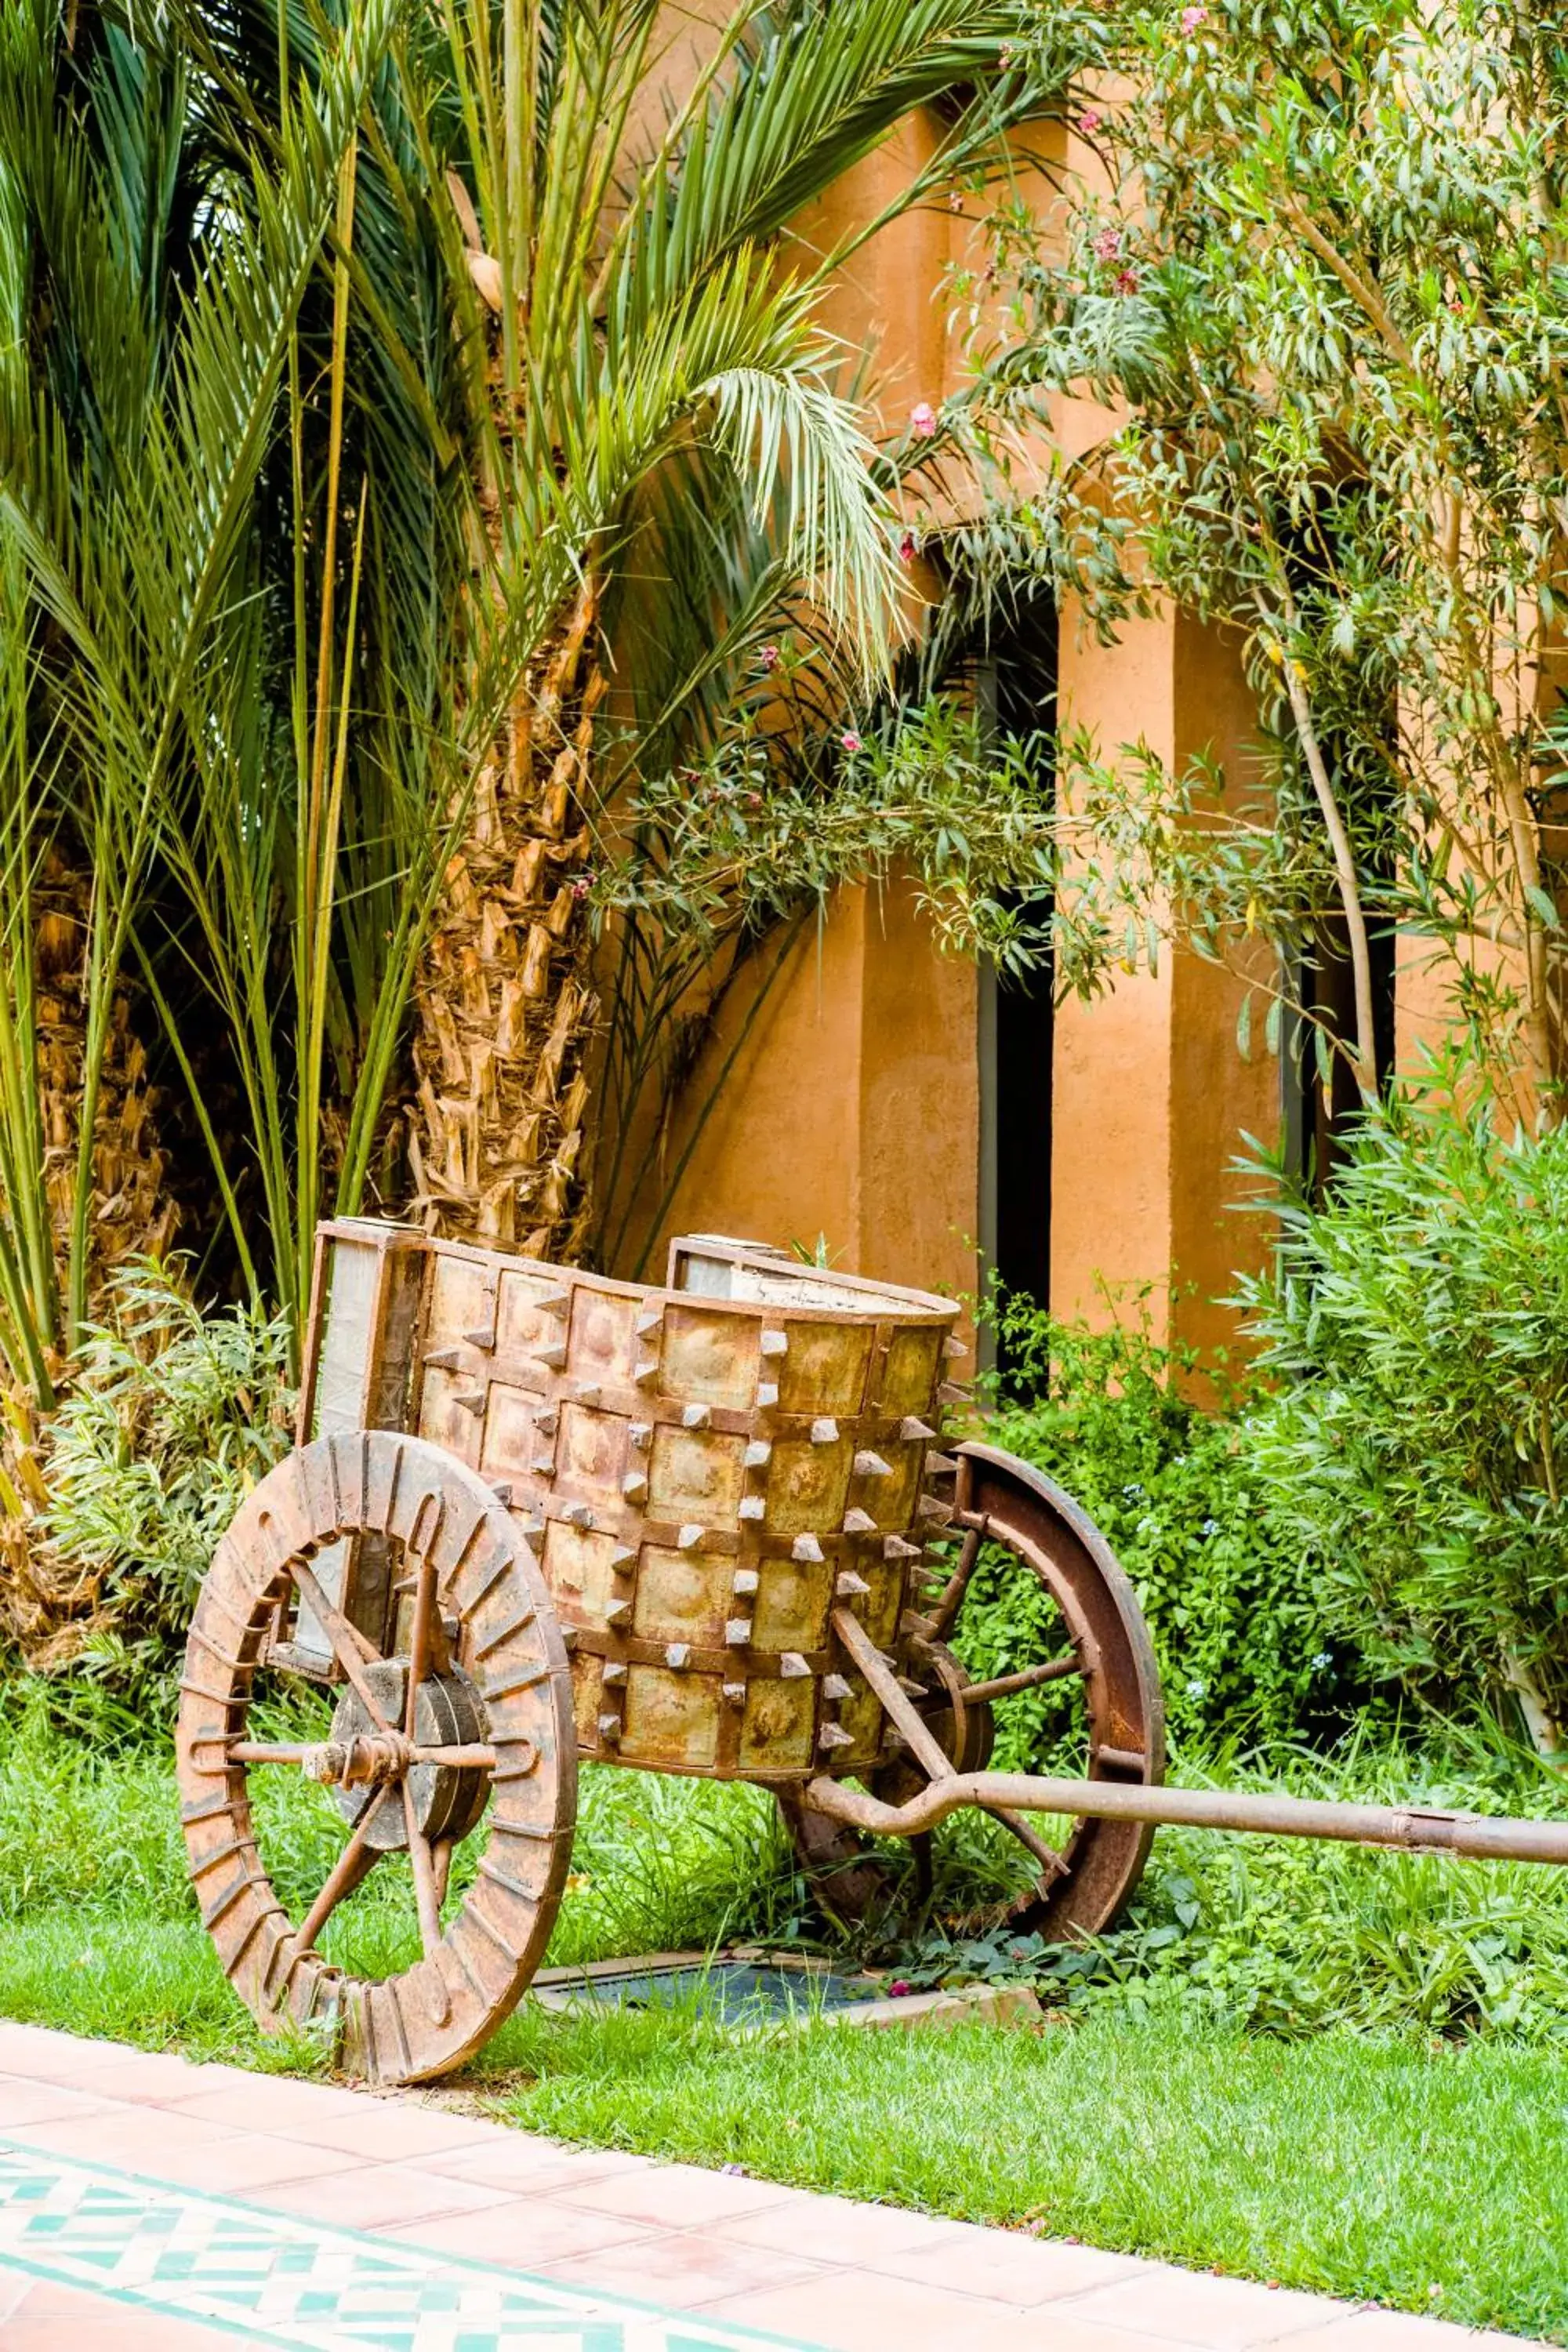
534	1515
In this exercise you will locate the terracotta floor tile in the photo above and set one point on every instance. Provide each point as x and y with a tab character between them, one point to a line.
523	2232
52	2318
380	2132
14	2285
233	2167
1006	2264
840	2228
1395	2331
514	2159
121	2135
271	2102
150	2077
372	2195
684	2270
46	2103
46	2056
676	2196
857	2311
1222	2314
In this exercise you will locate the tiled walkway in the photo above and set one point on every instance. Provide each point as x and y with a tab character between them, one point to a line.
150	2206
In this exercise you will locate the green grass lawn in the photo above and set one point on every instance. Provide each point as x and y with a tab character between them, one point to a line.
1426	2171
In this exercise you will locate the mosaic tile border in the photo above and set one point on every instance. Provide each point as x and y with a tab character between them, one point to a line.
276	2279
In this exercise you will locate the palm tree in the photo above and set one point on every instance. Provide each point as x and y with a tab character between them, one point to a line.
631	302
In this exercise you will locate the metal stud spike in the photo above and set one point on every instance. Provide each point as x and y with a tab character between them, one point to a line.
443	1359
545	1419
849	1586
913	1432
871	1465
734	1694
806	1547
737	1632
676	1655
930	1508
774	1343
696	1416
614	1670
895	1548
955	1392
825	1432
767	1394
624	1558
953	1345
589	1392
470	1400
553	1355
836	1688
617	1612
939	1465
578	1515
633	1485
645	1372
758	1455
792	1666
752	1506
691	1534
745	1580
609	1730
833	1735
648	1319
857	1522
544	1465
501	1489
640	1435
483	1336
553	1302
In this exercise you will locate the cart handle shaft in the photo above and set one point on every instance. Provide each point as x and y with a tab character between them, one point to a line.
1415	1828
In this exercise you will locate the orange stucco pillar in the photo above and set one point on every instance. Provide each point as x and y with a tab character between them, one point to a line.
1153	1094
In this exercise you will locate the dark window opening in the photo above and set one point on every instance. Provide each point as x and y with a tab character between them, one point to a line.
1018	685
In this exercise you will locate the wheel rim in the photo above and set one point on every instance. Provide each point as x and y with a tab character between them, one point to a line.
485	1656
1104	1649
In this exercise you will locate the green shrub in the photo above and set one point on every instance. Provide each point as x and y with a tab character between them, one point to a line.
1235	1612
1417	1445
170	1418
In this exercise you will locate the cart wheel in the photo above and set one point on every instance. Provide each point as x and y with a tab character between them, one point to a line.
472	1711
1037	1645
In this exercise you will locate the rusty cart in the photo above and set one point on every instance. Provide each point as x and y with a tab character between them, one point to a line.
535	1514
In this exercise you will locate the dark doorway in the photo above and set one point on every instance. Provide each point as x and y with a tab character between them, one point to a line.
1018	679
1321	1100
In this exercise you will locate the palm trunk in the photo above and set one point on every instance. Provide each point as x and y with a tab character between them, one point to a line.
130	1212
503	1005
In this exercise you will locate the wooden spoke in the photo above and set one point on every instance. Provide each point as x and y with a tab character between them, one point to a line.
953	1592
441	1857
350	1647
353	1867
425	1895
1026	1678
1049	1860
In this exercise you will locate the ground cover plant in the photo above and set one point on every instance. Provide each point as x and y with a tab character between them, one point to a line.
1317	2153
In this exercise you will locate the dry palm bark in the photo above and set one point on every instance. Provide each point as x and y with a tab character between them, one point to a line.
503	1005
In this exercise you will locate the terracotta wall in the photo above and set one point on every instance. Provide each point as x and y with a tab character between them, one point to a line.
853	1107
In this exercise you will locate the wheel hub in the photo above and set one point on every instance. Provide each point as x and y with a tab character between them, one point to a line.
450	1712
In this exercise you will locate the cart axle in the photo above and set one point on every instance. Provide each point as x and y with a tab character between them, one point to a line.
1413	1827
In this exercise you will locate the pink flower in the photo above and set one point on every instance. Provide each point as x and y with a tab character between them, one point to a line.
898	1987
1089	120
907	548
922	420
1108	245
582	886
1192	17
770	657
1126	282
850	741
